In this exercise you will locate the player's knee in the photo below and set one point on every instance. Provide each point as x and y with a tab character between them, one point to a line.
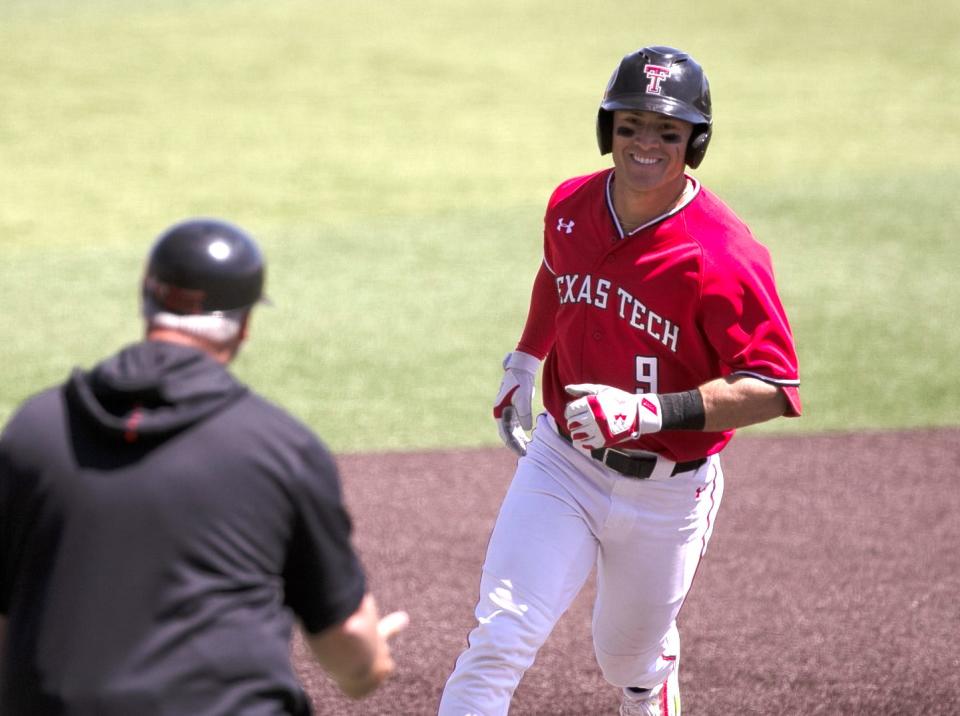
510	628
505	638
489	670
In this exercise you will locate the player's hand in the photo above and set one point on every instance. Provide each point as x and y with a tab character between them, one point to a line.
602	416
512	407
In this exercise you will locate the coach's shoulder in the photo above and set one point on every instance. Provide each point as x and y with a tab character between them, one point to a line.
270	418
35	415
268	429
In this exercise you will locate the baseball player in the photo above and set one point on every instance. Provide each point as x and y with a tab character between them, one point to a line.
657	315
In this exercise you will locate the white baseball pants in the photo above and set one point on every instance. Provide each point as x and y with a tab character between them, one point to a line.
564	513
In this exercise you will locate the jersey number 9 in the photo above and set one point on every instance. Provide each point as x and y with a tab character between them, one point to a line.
647	374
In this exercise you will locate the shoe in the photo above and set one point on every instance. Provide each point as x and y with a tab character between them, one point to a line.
662	700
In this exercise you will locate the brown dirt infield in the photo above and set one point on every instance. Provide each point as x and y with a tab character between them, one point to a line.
832	584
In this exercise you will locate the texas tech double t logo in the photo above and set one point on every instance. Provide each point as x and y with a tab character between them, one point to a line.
655	75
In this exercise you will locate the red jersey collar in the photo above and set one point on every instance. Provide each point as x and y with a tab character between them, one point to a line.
616	221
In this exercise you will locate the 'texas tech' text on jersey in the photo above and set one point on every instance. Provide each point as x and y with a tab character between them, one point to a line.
596	292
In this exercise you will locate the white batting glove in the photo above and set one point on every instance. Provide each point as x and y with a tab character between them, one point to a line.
512	407
602	416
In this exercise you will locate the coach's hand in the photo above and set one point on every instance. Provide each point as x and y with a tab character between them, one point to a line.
602	416
512	407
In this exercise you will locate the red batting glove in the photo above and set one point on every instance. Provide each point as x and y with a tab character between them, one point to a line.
602	416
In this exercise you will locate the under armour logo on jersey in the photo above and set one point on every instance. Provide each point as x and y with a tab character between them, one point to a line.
655	75
565	227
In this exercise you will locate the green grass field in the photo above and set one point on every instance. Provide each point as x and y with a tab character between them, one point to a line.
394	158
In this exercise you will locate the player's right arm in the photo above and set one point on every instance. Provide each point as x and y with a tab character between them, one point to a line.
540	330
512	408
355	652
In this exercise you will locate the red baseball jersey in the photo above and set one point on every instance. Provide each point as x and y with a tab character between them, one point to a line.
682	300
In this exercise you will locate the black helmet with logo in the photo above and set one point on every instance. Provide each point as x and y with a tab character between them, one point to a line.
664	80
203	266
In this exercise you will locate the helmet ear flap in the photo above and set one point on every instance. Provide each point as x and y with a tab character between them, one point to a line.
697	147
605	131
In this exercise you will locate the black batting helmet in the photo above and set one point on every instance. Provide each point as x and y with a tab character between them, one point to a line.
664	80
203	266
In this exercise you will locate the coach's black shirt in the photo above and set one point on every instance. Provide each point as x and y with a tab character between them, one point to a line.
159	522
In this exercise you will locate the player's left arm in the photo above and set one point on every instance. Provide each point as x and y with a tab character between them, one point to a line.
745	324
740	400
601	415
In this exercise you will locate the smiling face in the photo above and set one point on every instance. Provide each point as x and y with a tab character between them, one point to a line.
649	151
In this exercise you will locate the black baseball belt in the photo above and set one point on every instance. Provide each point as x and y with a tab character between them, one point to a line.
637	466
